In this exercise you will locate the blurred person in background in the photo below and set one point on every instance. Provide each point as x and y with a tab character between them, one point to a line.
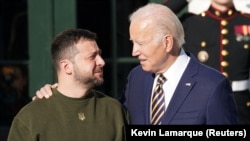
13	92
217	32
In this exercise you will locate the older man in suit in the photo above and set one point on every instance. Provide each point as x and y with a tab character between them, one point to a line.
194	94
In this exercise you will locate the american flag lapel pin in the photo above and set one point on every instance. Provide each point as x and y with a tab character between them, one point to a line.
188	84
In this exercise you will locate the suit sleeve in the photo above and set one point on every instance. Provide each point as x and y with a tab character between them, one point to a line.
221	106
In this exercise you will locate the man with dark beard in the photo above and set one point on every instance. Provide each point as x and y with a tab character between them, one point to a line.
75	111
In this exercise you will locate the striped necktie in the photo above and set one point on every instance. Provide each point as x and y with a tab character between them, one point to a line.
158	102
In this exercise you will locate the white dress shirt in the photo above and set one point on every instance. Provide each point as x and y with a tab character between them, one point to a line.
173	75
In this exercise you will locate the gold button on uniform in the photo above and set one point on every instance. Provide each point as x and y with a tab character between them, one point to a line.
230	12
246	46
203	56
224	41
203	14
217	13
224	52
223	22
248	104
203	44
224	63
225	74
224	31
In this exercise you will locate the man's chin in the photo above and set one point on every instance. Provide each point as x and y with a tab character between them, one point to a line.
145	68
99	81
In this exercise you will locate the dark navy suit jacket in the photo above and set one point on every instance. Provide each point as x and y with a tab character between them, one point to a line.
202	97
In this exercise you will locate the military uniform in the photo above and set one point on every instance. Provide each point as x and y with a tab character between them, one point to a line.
222	40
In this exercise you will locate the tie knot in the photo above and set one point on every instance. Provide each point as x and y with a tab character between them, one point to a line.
161	79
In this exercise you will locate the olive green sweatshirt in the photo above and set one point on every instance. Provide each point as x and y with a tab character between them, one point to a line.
96	117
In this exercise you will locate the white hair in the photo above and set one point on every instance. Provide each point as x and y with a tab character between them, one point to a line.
164	20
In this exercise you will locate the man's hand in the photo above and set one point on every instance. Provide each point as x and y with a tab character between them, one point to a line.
45	91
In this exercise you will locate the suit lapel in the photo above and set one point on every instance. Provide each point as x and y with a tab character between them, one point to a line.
182	90
148	83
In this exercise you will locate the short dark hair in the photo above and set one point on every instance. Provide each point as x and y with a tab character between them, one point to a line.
64	43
